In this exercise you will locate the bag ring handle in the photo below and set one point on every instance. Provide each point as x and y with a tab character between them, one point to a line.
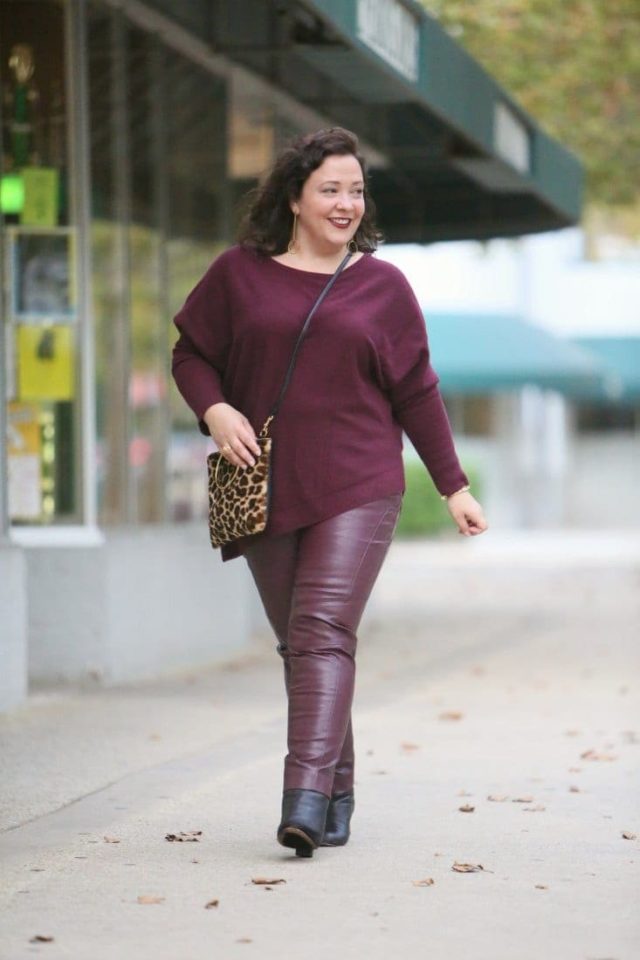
231	476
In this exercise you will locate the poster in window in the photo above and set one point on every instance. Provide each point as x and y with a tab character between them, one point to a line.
42	274
45	362
24	462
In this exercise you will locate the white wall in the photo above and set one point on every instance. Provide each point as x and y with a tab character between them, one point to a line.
148	601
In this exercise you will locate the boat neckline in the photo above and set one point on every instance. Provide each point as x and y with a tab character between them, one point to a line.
320	273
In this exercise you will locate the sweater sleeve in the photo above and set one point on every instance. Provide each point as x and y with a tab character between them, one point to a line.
412	387
200	352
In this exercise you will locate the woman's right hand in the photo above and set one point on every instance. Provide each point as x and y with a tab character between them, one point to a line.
232	433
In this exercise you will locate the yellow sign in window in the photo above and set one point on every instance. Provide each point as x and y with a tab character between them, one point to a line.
45	362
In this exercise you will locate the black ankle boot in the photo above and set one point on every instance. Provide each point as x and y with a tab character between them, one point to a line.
336	831
304	814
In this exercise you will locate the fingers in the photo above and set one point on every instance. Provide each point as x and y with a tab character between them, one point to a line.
241	450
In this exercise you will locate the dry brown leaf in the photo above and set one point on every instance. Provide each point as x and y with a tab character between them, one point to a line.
526	799
40	938
498	797
427	882
191	836
594	755
147	898
409	746
629	836
212	903
574	789
466	867
466	808
450	715
266	880
244	940
111	840
541	886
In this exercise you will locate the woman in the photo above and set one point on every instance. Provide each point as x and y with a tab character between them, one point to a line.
362	376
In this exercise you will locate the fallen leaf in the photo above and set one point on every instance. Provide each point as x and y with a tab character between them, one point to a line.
244	940
629	836
450	715
466	867
526	799
111	840
191	836
266	880
146	898
572	733
410	746
466	808
574	789
40	938
212	903
498	797
594	755
427	882
541	886
154	736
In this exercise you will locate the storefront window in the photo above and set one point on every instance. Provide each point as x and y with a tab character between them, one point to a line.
160	203
39	243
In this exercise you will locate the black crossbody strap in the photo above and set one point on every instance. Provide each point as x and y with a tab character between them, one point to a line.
292	362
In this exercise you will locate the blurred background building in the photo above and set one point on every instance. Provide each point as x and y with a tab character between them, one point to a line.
130	133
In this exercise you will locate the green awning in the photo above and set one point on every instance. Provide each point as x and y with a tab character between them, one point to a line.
621	358
452	154
482	353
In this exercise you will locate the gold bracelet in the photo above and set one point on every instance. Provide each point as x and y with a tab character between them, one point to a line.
445	496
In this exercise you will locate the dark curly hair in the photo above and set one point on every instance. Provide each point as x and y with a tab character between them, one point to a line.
266	226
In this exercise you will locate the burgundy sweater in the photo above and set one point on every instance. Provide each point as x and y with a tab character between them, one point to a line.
362	376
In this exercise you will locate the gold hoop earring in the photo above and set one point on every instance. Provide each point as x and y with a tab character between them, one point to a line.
292	242
352	246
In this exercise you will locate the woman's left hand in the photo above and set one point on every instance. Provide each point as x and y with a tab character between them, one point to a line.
467	513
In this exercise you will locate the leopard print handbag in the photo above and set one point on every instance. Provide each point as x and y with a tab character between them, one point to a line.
240	497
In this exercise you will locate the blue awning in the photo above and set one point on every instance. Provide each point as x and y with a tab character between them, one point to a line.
621	358
483	353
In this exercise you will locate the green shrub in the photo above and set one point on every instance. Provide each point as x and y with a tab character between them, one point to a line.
423	512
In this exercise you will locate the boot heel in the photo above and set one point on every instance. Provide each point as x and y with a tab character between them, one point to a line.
304	814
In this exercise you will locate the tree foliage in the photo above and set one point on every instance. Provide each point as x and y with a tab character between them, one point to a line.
574	65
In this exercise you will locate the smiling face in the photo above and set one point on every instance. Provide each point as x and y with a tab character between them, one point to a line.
331	205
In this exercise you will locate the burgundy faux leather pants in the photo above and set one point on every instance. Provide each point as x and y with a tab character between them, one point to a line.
314	584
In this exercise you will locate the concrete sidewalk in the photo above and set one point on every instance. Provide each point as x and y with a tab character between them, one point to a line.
499	676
